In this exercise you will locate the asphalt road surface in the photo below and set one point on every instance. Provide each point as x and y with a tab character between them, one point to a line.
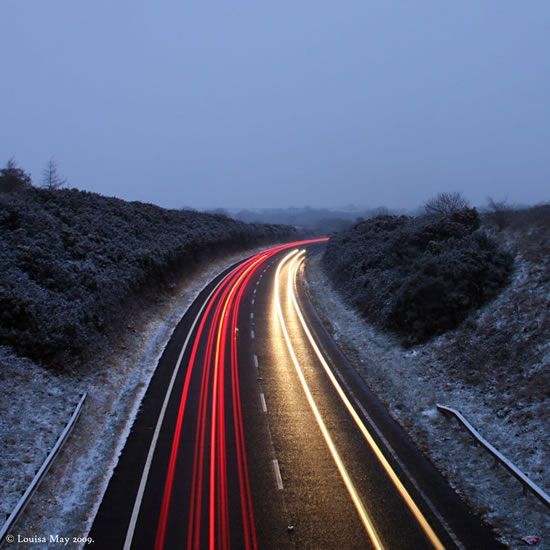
256	432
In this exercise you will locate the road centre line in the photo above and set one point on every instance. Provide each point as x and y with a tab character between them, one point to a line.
152	447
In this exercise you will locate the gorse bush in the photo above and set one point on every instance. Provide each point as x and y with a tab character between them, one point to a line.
69	261
417	276
13	178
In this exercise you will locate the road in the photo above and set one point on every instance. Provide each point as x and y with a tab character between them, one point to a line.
256	432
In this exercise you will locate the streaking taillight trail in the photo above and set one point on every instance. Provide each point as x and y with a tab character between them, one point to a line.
222	309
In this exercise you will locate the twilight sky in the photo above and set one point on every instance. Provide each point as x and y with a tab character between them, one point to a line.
288	102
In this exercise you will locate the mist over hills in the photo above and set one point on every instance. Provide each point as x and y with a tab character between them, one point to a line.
318	220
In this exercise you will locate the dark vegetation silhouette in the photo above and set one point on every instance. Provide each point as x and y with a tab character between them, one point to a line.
418	276
499	212
445	204
51	178
71	261
13	178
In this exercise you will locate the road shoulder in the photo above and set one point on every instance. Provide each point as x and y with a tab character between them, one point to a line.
116	381
410	383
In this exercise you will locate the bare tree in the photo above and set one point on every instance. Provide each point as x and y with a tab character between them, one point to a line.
51	179
13	178
499	212
445	204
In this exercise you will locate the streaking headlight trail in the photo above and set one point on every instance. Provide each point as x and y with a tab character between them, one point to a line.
295	260
361	510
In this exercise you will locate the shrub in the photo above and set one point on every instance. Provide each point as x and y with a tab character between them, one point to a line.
71	260
13	178
446	204
417	276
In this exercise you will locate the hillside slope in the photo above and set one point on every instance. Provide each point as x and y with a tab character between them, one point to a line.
493	366
70	261
417	276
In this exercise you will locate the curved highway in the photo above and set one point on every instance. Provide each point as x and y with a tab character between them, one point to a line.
256	432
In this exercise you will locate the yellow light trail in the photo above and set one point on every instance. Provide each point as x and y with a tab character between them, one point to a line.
430	533
365	519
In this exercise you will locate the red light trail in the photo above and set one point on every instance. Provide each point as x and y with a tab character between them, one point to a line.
210	452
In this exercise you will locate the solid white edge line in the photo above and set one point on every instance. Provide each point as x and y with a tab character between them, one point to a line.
404	469
150	454
432	536
359	506
277	472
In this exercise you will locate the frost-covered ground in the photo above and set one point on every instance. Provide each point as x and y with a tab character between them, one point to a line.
412	381
36	404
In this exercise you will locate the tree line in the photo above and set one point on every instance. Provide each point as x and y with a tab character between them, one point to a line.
14	178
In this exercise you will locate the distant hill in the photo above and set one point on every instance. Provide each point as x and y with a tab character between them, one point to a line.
315	220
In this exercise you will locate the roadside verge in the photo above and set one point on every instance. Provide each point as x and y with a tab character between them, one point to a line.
411	382
41	401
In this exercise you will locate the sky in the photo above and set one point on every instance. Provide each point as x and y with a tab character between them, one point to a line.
245	104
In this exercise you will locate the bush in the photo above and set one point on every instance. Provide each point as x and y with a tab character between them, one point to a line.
446	204
13	178
70	261
417	276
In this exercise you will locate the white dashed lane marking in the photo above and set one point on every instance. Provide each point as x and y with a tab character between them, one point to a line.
278	478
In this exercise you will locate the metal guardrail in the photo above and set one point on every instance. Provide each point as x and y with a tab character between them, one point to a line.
498	456
41	473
